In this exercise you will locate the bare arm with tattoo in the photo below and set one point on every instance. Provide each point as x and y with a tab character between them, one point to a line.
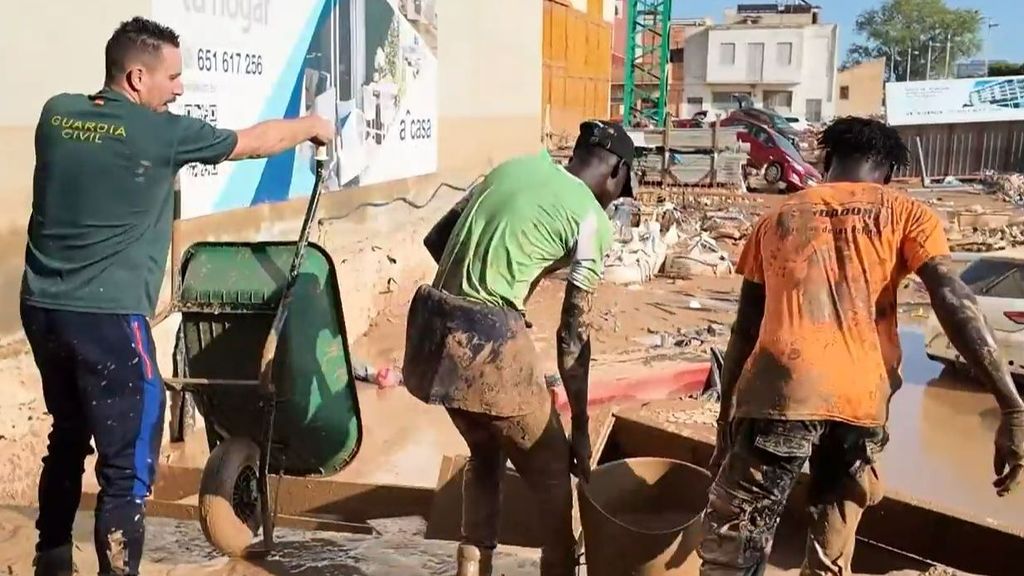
961	319
574	368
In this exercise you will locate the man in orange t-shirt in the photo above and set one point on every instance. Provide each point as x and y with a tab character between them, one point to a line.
814	356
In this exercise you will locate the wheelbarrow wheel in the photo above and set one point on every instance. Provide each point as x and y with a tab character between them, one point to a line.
229	502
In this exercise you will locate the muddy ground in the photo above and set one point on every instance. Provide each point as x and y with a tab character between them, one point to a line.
657	324
177	549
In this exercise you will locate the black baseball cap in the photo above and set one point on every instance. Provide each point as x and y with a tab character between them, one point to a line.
612	137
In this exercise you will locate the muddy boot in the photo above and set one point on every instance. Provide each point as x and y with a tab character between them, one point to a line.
486	562
474	562
55	562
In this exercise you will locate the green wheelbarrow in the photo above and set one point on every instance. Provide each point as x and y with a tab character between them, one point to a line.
263	352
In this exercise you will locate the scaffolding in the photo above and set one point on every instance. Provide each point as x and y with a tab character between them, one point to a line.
645	97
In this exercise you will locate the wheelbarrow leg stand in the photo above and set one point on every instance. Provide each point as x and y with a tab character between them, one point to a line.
266	506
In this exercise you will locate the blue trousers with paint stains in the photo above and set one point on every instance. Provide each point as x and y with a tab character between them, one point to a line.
100	383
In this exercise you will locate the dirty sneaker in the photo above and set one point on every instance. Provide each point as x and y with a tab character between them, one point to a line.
55	562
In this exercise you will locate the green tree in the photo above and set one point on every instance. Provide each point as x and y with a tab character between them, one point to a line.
899	27
1005	69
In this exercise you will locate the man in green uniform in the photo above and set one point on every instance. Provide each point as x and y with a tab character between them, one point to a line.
467	346
98	241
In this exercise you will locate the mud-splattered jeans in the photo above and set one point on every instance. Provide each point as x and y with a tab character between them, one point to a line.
536	445
100	383
750	493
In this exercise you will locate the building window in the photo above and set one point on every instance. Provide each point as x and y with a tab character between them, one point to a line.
813	112
844	92
755	62
675	55
725	100
694	104
784	53
778	100
727	54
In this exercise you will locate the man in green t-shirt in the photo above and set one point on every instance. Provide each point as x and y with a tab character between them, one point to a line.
467	346
98	240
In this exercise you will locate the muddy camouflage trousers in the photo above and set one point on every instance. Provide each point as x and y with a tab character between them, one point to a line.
536	445
750	493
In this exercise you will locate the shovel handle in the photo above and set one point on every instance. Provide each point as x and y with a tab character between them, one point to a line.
321	154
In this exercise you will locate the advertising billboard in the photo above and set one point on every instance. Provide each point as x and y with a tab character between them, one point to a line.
955	101
370	66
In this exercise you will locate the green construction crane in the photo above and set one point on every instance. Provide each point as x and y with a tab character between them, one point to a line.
646	61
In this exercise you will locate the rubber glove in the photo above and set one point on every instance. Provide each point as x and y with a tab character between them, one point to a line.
1009	456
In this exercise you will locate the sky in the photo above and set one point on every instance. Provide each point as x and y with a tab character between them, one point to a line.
1003	41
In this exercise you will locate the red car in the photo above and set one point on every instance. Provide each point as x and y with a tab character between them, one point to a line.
776	159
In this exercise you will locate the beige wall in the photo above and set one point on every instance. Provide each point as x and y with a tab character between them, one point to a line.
490	90
863	87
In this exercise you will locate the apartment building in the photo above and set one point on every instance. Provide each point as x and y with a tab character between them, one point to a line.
975	68
862	89
781	56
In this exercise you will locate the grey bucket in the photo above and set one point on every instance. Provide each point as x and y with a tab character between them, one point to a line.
641	517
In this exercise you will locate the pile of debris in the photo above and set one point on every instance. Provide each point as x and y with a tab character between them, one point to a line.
702	256
697	341
676	234
639	251
705	414
701	253
990	239
1009	187
734	225
978	230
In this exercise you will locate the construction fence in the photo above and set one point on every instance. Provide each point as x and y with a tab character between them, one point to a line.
964	150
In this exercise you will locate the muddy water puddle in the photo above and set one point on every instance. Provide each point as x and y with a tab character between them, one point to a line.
942	428
176	548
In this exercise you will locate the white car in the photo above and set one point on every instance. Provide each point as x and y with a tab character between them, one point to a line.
798	123
998	283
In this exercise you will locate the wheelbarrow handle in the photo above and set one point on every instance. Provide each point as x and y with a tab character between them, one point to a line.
307	222
270	346
266	378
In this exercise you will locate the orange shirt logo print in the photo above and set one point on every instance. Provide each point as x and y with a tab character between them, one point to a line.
86	131
831	262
